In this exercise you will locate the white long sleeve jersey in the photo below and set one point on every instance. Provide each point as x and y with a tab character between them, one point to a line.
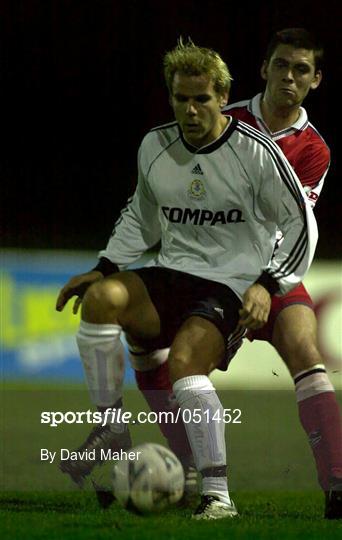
216	209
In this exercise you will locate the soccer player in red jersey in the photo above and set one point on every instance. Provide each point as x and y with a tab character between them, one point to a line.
292	67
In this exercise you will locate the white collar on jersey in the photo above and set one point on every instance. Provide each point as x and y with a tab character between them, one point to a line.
299	125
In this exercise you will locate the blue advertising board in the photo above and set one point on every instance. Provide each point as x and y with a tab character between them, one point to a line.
36	340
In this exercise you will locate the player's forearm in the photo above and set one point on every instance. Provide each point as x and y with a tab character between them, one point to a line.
128	245
295	254
268	282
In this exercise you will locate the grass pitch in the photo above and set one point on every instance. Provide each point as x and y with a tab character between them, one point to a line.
57	516
272	477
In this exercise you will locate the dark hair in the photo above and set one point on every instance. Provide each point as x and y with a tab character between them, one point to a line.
298	38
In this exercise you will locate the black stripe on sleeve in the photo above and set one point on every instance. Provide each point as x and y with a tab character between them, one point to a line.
284	168
123	211
297	253
286	268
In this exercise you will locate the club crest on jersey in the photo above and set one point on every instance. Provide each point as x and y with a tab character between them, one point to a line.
197	190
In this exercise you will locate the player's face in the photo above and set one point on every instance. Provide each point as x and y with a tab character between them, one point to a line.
290	74
197	108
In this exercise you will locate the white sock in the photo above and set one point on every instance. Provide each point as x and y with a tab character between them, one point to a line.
199	403
102	355
312	381
217	486
142	360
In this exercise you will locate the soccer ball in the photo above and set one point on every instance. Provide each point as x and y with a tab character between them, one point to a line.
150	482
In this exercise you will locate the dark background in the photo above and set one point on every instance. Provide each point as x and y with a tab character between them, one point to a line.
81	83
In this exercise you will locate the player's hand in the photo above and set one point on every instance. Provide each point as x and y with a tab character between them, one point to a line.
256	305
76	286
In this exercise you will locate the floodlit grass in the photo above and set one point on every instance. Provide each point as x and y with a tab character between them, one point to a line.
76	516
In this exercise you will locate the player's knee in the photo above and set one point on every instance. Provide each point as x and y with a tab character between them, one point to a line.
301	355
106	297
180	365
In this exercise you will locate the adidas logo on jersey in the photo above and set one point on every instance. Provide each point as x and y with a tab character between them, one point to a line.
197	169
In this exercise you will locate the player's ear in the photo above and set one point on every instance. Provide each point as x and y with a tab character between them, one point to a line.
317	80
223	99
263	70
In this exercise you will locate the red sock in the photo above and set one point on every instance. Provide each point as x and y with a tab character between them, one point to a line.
321	418
157	389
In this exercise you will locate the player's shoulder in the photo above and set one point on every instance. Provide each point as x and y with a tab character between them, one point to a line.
254	148
309	146
254	136
237	105
165	134
240	110
157	140
316	138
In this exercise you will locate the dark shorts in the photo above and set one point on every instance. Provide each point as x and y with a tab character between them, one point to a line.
298	295
178	296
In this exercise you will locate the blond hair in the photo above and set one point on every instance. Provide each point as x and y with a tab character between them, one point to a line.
189	59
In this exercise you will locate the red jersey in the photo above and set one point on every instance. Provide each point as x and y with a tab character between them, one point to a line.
301	143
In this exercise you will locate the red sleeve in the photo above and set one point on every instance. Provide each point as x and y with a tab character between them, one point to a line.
313	164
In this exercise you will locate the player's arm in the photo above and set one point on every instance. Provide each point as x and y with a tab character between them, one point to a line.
312	168
284	202
136	230
138	227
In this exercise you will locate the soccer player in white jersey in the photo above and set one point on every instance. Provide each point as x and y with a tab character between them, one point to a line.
216	267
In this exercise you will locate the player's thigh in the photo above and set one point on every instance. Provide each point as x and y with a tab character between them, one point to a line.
197	349
295	337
